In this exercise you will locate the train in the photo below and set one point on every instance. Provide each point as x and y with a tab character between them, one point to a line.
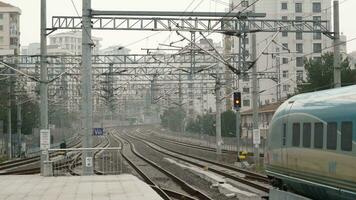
311	146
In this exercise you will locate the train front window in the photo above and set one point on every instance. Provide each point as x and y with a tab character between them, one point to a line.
296	135
284	134
346	136
331	139
307	135
318	135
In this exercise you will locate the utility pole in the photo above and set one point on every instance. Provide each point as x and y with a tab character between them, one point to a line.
190	77
19	126
255	95
9	127
238	124
337	57
44	78
218	115
87	104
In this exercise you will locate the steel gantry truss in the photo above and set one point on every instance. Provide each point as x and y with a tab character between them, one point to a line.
230	23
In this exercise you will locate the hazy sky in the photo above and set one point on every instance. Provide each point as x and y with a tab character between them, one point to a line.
30	18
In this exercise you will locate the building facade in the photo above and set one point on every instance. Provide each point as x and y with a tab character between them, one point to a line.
285	57
72	41
9	29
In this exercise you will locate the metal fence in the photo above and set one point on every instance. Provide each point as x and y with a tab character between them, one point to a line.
229	143
63	162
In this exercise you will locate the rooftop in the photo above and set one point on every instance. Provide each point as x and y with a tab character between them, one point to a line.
2	4
264	109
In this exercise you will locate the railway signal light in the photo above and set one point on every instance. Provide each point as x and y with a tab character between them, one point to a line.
237	100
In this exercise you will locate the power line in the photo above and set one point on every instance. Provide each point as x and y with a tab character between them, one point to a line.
86	31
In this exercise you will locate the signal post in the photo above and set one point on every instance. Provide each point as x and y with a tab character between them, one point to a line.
237	106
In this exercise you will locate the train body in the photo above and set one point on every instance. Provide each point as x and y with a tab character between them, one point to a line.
312	144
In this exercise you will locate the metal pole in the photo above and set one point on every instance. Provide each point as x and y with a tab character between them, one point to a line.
44	77
19	126
337	57
87	112
238	124
228	75
254	92
218	116
9	127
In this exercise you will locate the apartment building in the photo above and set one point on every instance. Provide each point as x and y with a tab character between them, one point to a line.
9	29
72	41
287	55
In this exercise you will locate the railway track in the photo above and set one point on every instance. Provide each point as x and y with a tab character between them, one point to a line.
251	179
249	174
200	147
20	162
25	166
191	192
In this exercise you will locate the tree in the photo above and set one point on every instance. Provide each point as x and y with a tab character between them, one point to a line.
320	74
172	118
228	123
206	124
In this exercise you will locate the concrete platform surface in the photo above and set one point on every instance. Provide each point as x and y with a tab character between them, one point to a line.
36	187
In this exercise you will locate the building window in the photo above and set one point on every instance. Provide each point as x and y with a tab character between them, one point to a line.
286	88
13	41
307	135
299	35
246	103
284	34
1	39
284	134
317	36
318	135
331	138
245	77
246	90
1	16
285	60
317	59
300	61
245	40
317	47
316	7
296	135
299	76
284	18
285	46
284	6
346	136
298	7
317	26
285	74
244	3
1	27
299	47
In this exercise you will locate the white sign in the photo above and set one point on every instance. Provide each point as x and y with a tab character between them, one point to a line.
45	135
256	136
88	161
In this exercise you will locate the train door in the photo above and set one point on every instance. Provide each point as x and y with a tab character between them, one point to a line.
286	134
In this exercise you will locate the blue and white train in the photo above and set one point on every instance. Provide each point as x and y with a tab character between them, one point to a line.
312	144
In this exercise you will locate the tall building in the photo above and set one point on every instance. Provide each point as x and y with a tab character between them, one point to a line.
72	41
9	29
286	56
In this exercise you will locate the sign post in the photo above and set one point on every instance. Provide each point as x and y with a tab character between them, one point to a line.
256	137
98	131
45	136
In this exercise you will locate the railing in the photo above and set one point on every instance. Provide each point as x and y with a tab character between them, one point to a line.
229	143
106	160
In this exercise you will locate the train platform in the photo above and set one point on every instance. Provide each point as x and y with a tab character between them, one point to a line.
36	187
